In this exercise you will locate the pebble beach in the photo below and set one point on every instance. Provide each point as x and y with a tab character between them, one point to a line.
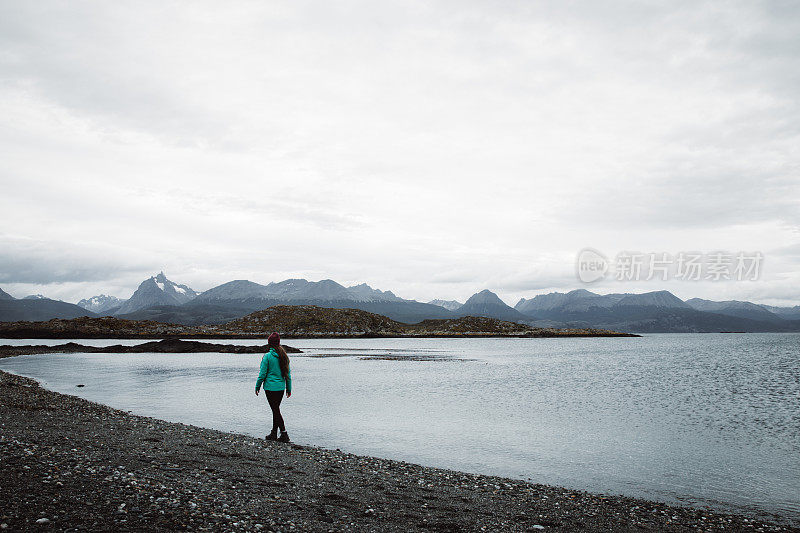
72	465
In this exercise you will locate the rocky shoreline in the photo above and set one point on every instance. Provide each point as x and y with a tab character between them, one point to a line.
70	464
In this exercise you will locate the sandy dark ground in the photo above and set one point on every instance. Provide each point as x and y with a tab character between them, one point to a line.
69	464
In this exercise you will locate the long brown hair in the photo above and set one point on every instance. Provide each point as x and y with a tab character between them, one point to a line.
283	360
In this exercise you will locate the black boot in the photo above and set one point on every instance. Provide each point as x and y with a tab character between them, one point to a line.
273	435
284	437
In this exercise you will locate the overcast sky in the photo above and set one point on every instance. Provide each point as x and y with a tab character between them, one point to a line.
429	148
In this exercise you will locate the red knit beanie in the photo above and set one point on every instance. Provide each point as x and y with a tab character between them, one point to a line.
274	339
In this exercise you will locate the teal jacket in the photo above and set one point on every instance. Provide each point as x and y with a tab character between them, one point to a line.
270	374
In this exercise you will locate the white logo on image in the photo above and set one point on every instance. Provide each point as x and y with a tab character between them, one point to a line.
591	265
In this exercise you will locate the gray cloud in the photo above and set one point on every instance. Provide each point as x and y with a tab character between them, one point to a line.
86	59
28	261
428	148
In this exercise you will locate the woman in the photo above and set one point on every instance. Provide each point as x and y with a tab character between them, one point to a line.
276	377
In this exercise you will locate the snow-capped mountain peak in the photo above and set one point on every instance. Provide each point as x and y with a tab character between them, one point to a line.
157	290
100	303
450	305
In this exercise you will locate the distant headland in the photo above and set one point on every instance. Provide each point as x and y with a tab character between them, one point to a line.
293	322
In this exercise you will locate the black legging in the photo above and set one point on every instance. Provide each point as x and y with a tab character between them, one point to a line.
274	398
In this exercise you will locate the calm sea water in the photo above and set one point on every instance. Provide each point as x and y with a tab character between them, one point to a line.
710	419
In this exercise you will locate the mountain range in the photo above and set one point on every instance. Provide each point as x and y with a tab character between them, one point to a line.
240	297
160	299
788	313
658	311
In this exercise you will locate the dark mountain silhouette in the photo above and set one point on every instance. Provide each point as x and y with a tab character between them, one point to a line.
326	290
240	289
657	299
787	313
220	311
194	313
366	292
39	309
574	301
673	320
735	308
297	290
488	304
654	312
408	311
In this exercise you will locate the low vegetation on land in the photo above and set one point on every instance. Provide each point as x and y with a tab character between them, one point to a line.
294	321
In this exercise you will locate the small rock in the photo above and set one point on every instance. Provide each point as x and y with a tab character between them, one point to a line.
537	526
43	521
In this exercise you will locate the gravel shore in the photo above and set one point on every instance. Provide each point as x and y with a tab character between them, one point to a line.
71	464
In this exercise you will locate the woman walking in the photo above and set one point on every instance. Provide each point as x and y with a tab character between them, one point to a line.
276	377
